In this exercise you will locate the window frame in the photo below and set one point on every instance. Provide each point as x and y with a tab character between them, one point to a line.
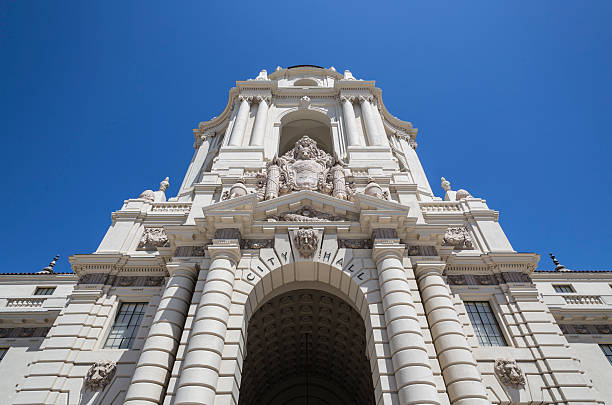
113	324
559	288
44	288
499	325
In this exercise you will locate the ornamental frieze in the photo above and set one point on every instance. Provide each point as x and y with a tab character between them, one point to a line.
309	214
152	238
122	281
191	251
23	332
586	329
488	279
256	243
355	243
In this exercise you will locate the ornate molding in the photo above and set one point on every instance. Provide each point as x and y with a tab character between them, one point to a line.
190	251
100	375
420	250
227	233
309	214
306	242
384	234
509	373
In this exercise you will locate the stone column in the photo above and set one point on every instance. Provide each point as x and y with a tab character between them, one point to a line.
259	129
413	374
200	368
241	121
370	121
459	368
349	121
157	357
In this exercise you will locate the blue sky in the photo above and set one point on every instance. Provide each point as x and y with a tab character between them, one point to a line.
512	101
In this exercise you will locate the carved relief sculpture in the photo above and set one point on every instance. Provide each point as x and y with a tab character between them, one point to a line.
306	214
152	238
305	167
100	375
509	373
238	189
306	242
459	237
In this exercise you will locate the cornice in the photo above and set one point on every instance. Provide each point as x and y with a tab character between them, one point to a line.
493	262
571	275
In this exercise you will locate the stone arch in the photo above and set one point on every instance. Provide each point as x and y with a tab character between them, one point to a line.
294	123
363	296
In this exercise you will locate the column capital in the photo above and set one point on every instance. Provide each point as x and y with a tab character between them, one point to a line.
248	99
260	99
173	268
382	250
350	99
424	268
226	242
368	98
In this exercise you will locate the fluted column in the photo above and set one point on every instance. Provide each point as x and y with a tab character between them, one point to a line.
152	372
241	121
413	374
370	121
459	368
259	129
349	121
200	369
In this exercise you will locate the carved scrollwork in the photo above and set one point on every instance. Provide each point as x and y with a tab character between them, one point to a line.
509	373
308	214
100	375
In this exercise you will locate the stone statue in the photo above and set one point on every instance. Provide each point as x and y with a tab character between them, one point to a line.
156	196
451	195
305	167
509	373
100	375
238	189
374	190
306	242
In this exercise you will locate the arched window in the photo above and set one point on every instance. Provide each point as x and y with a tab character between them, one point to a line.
305	82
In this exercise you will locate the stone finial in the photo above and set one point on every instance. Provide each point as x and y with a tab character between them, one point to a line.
348	75
333	69
278	68
49	268
263	75
165	183
558	266
445	184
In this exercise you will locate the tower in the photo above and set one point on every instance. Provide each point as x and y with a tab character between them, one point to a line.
305	259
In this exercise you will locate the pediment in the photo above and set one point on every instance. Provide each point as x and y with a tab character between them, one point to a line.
306	208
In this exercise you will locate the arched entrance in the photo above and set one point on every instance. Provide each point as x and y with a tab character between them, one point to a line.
306	347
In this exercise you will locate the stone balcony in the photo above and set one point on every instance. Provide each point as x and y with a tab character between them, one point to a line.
576	301
32	303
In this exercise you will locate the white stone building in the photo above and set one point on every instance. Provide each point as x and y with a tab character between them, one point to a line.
306	260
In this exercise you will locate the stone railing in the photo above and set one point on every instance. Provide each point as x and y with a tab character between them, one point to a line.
583	299
440	206
172	207
25	302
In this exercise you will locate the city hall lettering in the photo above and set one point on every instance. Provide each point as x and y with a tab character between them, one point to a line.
305	260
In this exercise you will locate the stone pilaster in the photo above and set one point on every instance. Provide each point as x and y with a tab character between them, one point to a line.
200	368
459	368
413	373
155	363
241	121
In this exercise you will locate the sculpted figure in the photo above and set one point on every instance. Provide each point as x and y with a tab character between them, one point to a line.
458	237
153	238
159	195
509	373
306	242
99	375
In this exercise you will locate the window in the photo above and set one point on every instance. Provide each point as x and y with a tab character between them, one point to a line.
564	288
126	325
44	290
485	324
3	351
607	349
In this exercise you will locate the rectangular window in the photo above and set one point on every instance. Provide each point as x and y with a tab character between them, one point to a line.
484	323
126	325
44	290
3	351
564	288
607	349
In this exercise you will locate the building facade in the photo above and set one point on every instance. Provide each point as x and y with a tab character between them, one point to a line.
306	260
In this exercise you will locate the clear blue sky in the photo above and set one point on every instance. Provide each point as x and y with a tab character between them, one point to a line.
512	100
